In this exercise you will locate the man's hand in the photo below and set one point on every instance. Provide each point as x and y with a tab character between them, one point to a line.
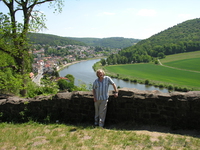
115	95
95	100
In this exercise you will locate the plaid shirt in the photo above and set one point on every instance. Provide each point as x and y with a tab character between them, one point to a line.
101	88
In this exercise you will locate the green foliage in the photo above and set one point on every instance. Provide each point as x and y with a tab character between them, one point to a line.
113	42
81	87
69	84
9	82
65	85
103	62
156	62
146	82
14	41
48	87
161	55
170	87
52	40
70	77
181	38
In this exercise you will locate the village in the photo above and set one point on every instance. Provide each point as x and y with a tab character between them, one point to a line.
44	63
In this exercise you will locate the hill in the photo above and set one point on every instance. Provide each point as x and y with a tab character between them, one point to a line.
184	37
52	40
112	42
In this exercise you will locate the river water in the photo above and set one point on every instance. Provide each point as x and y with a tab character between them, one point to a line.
84	73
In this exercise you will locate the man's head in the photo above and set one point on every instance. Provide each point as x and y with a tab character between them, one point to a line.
100	73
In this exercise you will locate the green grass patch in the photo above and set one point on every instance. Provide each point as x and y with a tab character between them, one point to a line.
37	136
157	73
181	56
187	64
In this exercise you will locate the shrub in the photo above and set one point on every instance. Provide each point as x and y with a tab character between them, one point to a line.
185	89
126	79
176	88
63	85
134	80
146	82
156	62
170	87
161	85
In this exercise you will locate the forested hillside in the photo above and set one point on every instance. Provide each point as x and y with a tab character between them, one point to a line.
52	40
184	37
112	42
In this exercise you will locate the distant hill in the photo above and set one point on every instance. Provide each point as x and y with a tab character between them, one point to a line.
184	37
53	40
112	42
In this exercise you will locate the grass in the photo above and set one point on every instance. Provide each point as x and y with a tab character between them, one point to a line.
35	136
181	56
180	70
157	73
186	61
186	64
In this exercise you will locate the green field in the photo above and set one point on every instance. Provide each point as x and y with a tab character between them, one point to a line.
157	73
180	75
187	61
181	56
187	64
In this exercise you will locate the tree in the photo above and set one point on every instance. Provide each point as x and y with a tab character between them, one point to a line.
63	85
161	55
71	78
14	33
103	62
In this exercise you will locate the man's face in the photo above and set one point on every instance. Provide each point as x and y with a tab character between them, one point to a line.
100	74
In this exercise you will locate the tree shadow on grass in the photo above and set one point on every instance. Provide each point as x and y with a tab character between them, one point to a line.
153	128
144	129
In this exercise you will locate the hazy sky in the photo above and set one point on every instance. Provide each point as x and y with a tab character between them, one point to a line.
138	19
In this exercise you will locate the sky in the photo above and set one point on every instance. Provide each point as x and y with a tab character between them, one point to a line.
138	19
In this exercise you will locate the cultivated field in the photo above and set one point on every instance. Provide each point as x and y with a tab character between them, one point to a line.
181	56
186	61
181	69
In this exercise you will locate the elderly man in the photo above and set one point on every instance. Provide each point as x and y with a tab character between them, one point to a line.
100	92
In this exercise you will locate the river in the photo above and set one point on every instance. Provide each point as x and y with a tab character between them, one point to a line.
84	73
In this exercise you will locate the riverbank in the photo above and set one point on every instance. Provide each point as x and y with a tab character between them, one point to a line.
68	64
72	63
84	73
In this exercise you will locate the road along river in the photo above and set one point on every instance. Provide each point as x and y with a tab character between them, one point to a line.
84	73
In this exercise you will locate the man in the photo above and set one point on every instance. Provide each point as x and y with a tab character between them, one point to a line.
100	92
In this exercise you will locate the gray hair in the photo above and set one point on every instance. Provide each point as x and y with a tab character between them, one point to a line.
100	70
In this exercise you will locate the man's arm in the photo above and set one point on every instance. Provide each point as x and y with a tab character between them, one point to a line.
116	91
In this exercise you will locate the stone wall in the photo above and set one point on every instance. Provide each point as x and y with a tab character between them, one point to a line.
176	109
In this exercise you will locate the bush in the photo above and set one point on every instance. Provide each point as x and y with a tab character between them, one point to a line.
48	87
176	88
170	87
160	85
126	79
146	82
134	80
63	85
185	89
